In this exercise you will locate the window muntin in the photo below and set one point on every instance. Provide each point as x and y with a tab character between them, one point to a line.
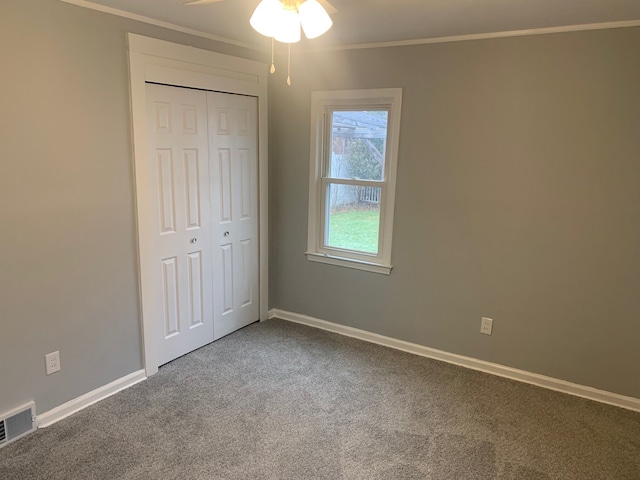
352	183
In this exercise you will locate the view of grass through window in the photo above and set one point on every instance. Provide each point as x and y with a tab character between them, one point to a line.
358	151
355	226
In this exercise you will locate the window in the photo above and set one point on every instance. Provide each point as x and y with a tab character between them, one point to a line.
354	153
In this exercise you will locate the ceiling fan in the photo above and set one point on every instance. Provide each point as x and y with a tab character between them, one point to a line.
327	6
282	20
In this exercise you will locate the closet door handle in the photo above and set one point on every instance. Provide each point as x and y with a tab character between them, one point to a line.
226	234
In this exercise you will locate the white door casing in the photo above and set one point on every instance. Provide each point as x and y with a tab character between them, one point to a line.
158	61
179	163
232	133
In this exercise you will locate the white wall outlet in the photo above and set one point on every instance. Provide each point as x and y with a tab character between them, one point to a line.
486	325
52	361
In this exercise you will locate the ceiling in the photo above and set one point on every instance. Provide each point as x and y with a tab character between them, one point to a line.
381	21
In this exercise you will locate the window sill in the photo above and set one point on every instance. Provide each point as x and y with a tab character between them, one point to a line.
349	263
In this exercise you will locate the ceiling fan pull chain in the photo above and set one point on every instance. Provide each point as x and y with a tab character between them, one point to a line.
289	67
273	66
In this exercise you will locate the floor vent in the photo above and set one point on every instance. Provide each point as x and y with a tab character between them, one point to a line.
17	423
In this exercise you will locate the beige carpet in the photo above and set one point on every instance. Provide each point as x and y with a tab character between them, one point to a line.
282	401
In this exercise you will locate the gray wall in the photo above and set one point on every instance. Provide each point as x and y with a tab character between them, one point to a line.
518	198
68	269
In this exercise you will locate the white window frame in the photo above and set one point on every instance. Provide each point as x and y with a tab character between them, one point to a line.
322	103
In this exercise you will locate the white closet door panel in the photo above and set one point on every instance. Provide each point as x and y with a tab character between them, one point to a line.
233	151
178	156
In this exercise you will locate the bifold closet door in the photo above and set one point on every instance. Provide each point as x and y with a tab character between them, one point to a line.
202	154
234	193
180	195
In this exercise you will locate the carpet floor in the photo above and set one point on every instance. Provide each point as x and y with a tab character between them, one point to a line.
277	400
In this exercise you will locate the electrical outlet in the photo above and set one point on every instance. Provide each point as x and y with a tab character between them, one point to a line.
486	325
52	361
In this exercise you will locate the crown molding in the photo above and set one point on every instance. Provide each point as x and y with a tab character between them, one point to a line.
159	23
477	36
359	46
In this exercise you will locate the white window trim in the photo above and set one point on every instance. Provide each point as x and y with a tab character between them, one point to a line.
390	98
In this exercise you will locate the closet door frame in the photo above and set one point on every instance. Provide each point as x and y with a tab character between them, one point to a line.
159	61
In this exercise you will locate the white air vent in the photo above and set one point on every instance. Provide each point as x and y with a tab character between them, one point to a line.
17	423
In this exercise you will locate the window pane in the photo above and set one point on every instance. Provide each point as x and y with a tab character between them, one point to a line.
358	142
353	217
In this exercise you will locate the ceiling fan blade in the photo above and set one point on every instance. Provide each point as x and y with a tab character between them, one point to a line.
328	7
201	2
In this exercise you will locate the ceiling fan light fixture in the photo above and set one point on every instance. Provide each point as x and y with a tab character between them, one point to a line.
288	29
314	19
282	20
267	17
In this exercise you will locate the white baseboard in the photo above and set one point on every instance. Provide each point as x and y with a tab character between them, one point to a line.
56	414
551	383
